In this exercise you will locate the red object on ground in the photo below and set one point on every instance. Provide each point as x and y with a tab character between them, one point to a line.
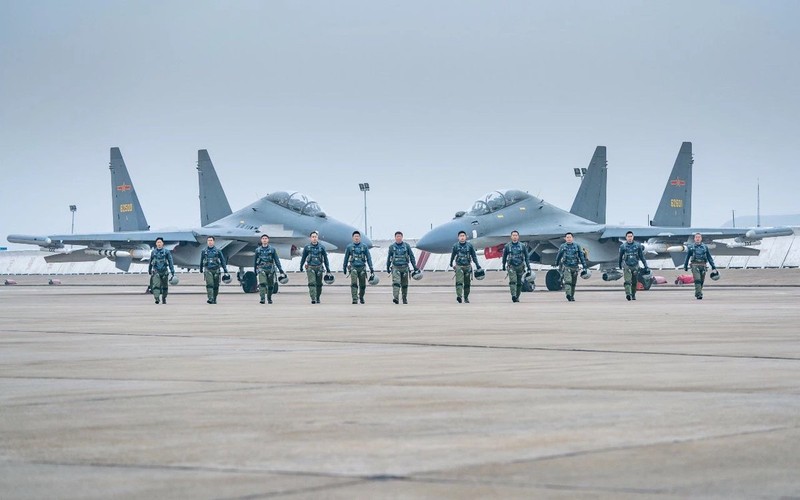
684	279
495	252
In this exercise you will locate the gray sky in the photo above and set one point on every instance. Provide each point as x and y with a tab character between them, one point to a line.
432	103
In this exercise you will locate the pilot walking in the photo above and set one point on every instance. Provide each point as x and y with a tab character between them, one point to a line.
698	254
161	270
314	261
397	263
570	256
515	260
464	255
630	254
356	261
266	261
211	261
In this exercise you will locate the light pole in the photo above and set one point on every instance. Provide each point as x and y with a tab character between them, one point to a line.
73	209
364	187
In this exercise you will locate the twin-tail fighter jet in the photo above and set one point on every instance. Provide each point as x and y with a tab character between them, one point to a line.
542	226
286	216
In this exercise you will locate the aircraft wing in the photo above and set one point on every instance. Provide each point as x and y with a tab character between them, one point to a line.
683	234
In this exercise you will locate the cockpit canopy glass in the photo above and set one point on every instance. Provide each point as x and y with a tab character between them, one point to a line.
497	200
297	202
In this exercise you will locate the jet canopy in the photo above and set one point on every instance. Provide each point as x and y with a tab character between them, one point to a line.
497	200
297	202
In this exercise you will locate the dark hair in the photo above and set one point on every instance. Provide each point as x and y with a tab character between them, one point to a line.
356	232
398	232
160	238
462	232
312	233
515	231
569	234
211	238
629	232
265	236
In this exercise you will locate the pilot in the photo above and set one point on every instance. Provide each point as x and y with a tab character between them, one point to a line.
630	253
317	257
212	259
570	256
266	261
515	259
397	262
160	264
699	254
356	260
464	255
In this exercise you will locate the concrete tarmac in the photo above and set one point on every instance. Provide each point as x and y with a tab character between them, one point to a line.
105	394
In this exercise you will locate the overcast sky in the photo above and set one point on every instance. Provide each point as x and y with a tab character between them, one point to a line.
432	103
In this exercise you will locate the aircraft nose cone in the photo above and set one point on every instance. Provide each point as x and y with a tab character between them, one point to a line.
436	241
366	241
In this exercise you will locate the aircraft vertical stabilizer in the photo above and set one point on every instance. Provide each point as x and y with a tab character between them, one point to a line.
590	202
675	208
126	210
213	202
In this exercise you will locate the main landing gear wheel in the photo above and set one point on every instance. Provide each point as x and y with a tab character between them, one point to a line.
249	282
553	280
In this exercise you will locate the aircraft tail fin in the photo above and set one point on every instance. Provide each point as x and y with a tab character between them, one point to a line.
675	208
213	202
590	202
126	210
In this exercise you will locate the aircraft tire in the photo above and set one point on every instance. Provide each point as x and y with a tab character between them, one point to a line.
249	282
553	280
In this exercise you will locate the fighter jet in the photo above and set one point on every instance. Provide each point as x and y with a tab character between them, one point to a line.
542	226
286	216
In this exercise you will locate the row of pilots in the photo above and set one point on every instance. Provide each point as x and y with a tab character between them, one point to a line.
402	264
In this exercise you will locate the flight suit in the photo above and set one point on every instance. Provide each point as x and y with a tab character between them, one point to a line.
630	254
160	269
570	256
515	261
397	263
317	259
357	258
212	259
699	255
464	255
266	260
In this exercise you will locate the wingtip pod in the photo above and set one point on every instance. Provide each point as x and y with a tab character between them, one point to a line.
42	241
758	233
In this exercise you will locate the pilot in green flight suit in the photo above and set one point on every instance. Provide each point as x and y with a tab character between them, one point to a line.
515	259
570	255
314	259
464	255
630	253
160	263
356	259
699	254
397	262
266	261
211	260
